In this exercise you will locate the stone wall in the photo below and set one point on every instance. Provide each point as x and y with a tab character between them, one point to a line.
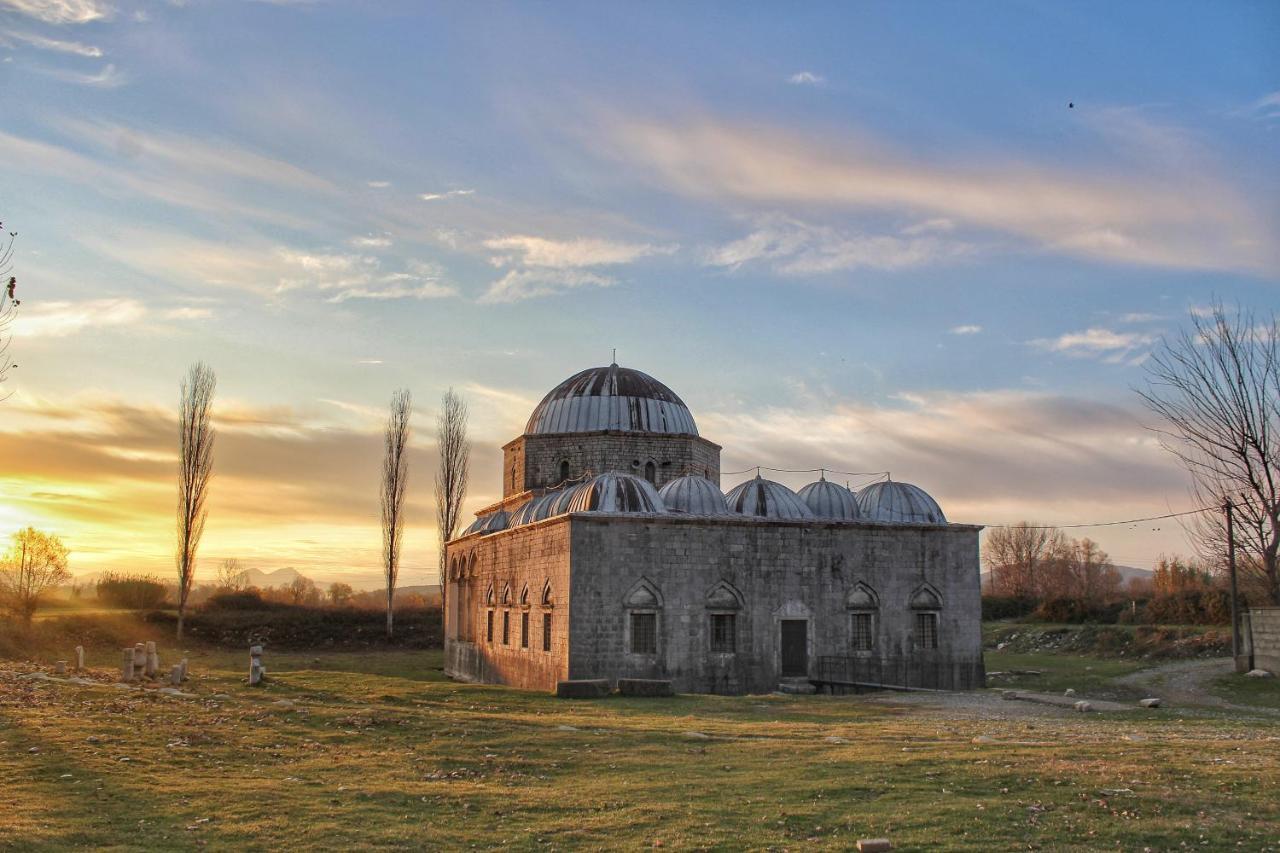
1264	624
534	461
777	570
527	557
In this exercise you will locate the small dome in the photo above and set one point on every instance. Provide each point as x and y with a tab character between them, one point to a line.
694	495
611	398
766	499
491	523
899	502
535	510
616	492
830	500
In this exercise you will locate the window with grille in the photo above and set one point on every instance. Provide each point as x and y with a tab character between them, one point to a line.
546	632
724	635
864	638
644	633
524	630
488	632
506	627
927	630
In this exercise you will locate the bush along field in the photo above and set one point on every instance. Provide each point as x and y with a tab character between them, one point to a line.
373	747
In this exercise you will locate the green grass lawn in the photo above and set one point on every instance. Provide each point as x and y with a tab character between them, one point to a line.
1088	676
377	750
1264	692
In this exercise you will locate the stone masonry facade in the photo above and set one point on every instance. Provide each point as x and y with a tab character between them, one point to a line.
687	571
1264	631
533	462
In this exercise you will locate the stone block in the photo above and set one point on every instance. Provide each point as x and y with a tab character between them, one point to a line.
1083	707
582	688
874	845
645	687
1150	703
1258	673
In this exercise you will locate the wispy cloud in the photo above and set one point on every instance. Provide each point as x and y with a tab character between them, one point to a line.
107	78
343	277
544	267
1161	217
1105	344
56	45
61	11
446	194
1266	107
62	319
966	330
371	242
796	248
378	185
806	78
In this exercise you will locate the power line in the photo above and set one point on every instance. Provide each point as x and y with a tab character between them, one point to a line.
1105	523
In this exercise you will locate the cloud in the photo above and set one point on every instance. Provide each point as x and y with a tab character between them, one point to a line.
61	11
798	248
447	194
107	78
518	285
1110	346
61	319
566	254
352	276
378	185
189	313
42	43
966	330
1266	107
371	242
1176	215
545	267
806	78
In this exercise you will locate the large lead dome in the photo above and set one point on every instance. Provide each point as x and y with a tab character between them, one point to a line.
611	398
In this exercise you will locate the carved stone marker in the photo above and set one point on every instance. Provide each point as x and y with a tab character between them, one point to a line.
139	661
256	670
183	664
175	675
153	661
79	658
60	668
126	666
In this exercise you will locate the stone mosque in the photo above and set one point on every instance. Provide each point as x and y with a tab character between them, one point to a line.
614	554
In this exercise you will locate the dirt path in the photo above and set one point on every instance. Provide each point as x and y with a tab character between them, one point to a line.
1187	682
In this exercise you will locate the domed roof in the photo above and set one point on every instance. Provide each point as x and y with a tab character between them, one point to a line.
830	500
616	492
535	510
611	398
694	495
491	523
766	499
899	502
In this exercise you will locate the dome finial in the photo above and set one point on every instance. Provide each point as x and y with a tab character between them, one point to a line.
614	363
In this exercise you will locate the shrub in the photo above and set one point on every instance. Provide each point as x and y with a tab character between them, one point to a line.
1075	611
1204	606
134	592
245	599
1006	606
283	626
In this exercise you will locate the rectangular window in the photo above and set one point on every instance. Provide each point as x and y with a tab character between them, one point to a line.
546	632
488	632
644	633
927	630
864	637
506	627
724	633
524	630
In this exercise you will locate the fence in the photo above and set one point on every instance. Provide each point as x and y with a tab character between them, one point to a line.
900	673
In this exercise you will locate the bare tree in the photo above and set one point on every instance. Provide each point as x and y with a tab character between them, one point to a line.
1017	558
451	477
232	577
395	476
36	562
1216	387
340	593
9	303
195	469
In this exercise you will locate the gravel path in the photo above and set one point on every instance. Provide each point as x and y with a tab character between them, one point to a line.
1187	682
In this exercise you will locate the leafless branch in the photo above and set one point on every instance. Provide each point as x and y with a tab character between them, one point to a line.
395	477
195	469
451	477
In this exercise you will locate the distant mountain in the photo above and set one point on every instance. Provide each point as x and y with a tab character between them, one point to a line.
280	577
1127	573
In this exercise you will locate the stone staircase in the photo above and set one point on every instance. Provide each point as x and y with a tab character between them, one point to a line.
796	686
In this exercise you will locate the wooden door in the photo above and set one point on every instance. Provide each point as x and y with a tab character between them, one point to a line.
795	648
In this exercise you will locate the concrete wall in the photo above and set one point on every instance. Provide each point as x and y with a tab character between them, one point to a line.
802	570
1264	623
532	556
533	461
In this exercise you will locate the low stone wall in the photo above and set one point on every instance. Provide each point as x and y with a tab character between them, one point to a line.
1264	624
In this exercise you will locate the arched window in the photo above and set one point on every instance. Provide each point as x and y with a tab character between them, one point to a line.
564	470
651	472
524	617
644	608
489	604
547	602
926	604
506	616
723	604
864	613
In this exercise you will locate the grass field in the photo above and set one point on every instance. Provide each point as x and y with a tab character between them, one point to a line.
359	750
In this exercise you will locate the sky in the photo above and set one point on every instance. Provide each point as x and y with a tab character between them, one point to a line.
934	239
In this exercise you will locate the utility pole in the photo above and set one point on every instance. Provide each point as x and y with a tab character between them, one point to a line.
1229	508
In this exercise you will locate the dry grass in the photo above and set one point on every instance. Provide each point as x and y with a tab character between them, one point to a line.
377	750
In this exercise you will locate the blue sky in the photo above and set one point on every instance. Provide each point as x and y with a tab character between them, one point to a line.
867	236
